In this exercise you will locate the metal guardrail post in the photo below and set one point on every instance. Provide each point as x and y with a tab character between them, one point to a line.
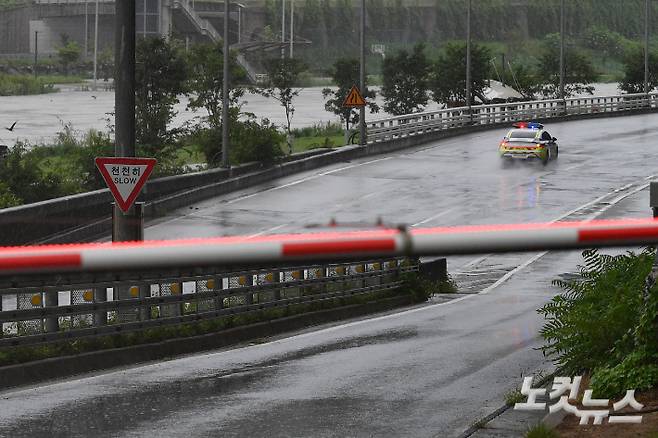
248	280
218	284
144	311
276	278
100	296
51	300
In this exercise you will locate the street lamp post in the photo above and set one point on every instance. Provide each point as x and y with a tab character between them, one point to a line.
86	29
283	28
225	90
468	57
292	29
646	46
362	75
562	49
96	45
36	51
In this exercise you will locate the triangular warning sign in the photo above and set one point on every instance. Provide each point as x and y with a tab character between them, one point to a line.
125	177
354	98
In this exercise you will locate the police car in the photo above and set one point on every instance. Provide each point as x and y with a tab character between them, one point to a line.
528	140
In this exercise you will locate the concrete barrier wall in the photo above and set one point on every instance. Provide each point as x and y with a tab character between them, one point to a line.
86	216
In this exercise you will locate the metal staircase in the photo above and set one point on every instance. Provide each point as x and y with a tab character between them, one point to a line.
202	25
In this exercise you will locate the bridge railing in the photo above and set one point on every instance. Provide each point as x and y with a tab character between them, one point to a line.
449	118
49	310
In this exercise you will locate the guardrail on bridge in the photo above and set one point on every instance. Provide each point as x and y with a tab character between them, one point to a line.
431	121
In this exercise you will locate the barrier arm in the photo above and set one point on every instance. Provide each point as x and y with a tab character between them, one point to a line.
282	249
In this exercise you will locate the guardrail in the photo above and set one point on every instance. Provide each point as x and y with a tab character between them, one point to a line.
50	310
422	123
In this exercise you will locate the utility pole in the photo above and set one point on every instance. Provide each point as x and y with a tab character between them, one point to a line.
292	29
96	40
283	29
36	51
124	103
225	90
362	75
646	46
562	49
468	57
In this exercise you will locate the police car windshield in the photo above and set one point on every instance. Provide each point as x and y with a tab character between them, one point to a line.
522	134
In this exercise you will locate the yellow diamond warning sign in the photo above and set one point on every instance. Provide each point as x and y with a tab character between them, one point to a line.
354	98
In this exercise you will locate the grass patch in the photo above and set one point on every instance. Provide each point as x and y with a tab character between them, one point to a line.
541	431
514	396
23	85
301	144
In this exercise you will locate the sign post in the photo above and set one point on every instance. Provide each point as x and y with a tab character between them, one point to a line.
354	99
125	178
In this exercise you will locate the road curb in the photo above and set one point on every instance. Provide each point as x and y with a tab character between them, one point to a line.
67	366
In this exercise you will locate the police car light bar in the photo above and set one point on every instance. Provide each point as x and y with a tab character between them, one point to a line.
528	125
320	247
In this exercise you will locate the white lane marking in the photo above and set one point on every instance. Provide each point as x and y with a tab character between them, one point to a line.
299	181
507	276
309	178
576	166
569	213
269	230
589	218
444	212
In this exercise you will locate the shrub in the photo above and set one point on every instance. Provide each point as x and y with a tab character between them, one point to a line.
253	141
605	323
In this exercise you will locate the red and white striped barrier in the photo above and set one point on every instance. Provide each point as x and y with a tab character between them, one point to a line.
274	249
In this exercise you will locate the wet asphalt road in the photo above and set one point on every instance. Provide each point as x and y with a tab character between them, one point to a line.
428	371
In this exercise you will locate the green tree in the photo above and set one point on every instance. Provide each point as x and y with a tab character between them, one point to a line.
207	78
578	70
283	74
406	81
448	83
160	76
68	54
603	41
345	74
106	63
633	81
